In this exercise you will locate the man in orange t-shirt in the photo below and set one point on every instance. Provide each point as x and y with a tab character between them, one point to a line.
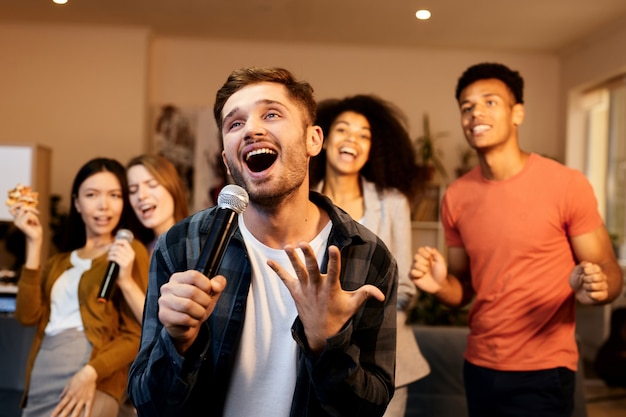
525	241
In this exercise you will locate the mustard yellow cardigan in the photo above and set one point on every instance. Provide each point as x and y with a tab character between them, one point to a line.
110	327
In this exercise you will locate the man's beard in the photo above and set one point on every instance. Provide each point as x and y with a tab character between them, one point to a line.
267	196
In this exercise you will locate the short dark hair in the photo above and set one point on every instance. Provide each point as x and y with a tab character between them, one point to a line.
300	91
487	70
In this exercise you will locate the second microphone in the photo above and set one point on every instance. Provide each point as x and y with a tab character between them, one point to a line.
113	269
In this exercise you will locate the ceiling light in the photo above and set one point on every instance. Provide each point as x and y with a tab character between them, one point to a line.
422	14
60	1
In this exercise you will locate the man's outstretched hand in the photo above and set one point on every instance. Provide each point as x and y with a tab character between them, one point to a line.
323	306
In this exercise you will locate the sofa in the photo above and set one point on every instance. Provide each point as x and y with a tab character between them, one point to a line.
442	392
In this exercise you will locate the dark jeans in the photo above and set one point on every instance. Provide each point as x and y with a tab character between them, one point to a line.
543	393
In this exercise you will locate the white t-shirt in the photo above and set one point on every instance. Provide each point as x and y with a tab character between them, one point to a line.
65	310
264	376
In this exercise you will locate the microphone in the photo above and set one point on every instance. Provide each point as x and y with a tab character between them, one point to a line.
231	202
113	269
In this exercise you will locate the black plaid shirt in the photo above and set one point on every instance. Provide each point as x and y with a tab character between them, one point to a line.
354	376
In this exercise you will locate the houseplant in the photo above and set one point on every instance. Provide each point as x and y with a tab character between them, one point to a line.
430	311
428	156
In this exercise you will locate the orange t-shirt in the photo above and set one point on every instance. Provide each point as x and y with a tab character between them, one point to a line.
516	233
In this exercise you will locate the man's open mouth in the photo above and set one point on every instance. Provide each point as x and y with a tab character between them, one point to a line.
261	159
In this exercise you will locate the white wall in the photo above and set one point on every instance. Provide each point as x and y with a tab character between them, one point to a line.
88	91
81	91
189	72
595	58
584	64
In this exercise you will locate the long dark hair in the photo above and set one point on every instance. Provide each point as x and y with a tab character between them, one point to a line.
391	162
76	234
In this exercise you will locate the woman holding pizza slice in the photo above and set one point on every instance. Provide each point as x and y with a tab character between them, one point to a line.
82	348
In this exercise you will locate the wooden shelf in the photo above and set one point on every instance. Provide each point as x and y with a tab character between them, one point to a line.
426	227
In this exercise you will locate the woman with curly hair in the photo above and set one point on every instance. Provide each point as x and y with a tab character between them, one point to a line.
367	168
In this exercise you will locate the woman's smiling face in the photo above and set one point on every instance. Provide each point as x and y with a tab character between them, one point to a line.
348	143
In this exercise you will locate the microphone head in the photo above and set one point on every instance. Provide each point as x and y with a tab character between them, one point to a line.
124	234
233	197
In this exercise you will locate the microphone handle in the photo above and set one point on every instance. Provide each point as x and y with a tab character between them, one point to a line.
220	232
107	283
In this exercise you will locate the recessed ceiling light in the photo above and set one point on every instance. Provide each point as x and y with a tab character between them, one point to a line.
60	1
422	14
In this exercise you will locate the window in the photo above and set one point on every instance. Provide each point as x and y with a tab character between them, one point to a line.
605	154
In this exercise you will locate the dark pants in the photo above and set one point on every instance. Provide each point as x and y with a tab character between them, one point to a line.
543	393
